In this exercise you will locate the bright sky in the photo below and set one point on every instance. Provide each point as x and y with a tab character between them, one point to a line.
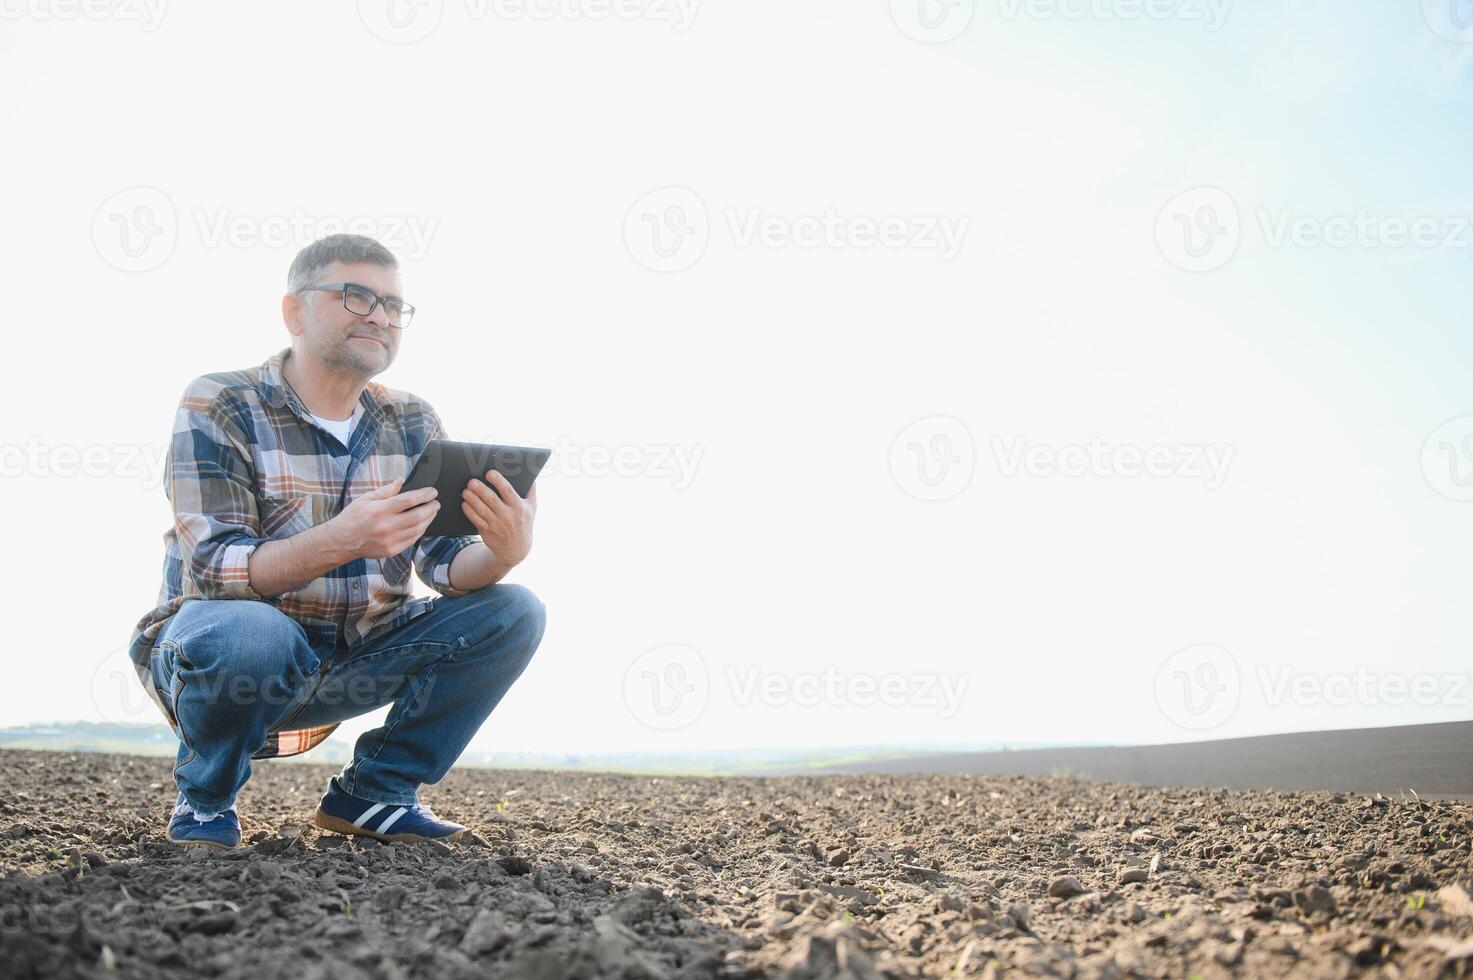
1017	370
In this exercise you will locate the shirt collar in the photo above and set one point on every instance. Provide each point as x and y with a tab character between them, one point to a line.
273	389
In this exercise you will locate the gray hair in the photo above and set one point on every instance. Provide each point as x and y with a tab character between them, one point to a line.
311	260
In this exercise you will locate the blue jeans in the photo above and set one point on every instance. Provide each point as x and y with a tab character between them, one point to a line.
235	670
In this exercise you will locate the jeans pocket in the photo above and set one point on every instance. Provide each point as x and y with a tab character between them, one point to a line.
176	688
314	683
164	676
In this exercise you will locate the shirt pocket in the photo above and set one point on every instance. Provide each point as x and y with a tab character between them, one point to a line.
283	516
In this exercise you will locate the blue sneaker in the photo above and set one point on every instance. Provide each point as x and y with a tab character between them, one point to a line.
221	831
346	814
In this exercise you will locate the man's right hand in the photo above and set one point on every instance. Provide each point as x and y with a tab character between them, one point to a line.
384	522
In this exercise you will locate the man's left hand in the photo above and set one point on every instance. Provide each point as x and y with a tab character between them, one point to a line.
501	516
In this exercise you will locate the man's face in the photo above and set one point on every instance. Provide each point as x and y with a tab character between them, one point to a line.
356	345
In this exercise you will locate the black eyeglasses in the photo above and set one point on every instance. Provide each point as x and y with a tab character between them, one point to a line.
361	301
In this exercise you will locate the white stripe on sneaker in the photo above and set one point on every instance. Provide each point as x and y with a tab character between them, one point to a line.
384	827
368	813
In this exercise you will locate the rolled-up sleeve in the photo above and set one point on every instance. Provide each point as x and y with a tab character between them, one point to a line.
209	482
433	555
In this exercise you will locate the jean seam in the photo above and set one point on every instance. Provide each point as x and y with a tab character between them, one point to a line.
439	647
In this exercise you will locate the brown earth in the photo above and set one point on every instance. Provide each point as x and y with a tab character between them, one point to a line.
858	876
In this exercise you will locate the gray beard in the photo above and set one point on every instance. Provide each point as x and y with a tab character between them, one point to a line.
347	358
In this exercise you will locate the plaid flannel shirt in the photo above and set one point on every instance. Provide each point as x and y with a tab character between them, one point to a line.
246	465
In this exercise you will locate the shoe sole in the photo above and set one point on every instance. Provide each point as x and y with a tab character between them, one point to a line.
337	825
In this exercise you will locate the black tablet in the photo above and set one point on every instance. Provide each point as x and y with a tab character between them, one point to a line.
448	466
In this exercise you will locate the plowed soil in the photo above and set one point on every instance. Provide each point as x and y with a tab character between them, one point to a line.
863	876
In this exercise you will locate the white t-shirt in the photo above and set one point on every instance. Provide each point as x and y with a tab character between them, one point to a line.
341	429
